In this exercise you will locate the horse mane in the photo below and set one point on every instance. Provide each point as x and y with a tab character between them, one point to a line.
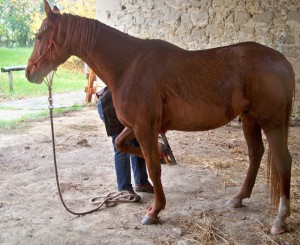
82	32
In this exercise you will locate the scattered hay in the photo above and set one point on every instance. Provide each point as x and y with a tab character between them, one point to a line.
230	163
209	232
263	232
266	238
203	230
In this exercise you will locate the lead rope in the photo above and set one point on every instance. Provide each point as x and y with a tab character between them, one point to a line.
111	199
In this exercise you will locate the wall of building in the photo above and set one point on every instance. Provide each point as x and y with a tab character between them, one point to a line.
201	24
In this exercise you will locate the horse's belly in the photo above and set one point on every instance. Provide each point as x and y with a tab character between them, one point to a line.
201	118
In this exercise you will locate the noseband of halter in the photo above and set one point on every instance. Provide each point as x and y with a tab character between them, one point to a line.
49	49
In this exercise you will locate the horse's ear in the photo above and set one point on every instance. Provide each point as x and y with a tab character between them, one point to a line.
55	9
48	10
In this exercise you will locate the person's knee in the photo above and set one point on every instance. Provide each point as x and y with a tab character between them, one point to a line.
119	144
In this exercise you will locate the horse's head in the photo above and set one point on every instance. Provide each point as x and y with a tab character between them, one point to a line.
47	53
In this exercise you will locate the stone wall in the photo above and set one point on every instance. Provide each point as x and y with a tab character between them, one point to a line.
201	24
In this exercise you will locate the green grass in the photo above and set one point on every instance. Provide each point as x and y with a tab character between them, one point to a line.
66	81
22	121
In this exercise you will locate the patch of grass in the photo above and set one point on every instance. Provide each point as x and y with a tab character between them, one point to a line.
13	124
67	80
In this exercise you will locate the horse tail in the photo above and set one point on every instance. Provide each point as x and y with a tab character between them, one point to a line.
272	172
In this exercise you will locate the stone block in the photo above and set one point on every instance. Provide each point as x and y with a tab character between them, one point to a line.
171	15
241	18
186	20
290	38
159	4
134	31
294	15
254	7
199	35
182	31
199	17
229	19
139	20
266	17
214	30
149	4
125	20
248	28
292	51
217	3
203	4
263	35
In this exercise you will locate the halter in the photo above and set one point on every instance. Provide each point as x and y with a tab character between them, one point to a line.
51	44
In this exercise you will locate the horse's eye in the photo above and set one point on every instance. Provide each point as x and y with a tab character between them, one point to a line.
38	37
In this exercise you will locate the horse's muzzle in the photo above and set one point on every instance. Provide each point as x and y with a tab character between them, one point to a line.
33	76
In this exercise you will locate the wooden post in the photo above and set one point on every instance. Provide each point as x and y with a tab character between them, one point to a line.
11	81
10	75
89	89
95	90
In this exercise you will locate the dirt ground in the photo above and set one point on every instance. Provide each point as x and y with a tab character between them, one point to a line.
211	168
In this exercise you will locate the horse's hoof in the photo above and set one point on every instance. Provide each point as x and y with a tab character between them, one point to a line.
147	220
276	230
234	203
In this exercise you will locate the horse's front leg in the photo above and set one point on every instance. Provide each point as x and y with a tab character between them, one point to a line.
149	145
122	143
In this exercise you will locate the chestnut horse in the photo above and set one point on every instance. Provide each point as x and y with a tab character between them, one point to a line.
157	86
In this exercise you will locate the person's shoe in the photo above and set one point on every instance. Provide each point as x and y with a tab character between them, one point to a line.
144	188
134	196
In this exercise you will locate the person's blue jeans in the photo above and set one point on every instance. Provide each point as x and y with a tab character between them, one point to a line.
122	167
122	164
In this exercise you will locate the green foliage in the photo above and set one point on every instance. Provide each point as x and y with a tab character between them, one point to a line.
15	21
86	8
21	19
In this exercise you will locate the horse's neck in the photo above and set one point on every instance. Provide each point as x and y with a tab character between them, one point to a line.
112	53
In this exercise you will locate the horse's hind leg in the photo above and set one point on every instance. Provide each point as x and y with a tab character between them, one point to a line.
281	158
252	132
